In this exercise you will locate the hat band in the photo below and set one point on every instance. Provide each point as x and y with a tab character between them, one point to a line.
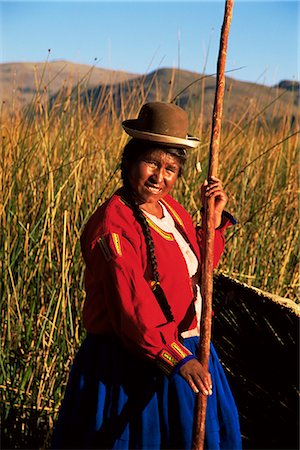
170	141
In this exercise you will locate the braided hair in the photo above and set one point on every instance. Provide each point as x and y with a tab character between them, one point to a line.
132	151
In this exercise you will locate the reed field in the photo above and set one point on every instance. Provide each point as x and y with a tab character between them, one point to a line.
59	161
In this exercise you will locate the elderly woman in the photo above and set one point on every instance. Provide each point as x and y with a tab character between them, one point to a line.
135	378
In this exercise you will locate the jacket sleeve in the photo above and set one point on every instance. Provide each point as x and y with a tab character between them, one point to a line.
116	264
227	221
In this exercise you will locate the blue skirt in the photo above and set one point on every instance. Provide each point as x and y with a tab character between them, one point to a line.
115	400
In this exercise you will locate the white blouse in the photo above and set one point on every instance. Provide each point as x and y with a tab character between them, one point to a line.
166	223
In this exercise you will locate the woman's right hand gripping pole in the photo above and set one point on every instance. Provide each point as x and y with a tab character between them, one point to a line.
197	377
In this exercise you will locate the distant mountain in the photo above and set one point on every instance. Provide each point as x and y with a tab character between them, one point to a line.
19	81
124	92
196	92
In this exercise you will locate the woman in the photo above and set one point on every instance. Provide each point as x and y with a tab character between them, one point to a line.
134	380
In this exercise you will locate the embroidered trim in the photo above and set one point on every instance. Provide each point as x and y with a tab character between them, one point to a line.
174	213
164	234
117	242
171	355
178	349
104	248
167	357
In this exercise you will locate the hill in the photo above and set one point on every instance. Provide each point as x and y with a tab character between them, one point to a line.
242	102
19	81
102	88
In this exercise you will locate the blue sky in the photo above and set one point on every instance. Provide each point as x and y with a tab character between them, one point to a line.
140	36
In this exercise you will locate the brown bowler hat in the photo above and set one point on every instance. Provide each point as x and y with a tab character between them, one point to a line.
163	123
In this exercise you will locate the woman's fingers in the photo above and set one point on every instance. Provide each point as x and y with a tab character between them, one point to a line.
197	377
214	189
197	385
213	179
202	385
214	185
193	386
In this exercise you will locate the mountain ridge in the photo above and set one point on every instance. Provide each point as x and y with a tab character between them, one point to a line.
20	81
196	93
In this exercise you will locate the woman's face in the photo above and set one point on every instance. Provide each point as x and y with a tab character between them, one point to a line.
153	175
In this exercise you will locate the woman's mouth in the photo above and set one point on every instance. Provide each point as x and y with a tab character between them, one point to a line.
153	189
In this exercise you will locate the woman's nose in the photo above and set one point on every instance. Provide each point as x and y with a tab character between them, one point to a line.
158	175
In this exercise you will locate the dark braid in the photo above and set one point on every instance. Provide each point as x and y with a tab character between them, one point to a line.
131	151
156	287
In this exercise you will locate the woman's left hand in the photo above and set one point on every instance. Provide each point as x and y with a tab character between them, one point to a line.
214	189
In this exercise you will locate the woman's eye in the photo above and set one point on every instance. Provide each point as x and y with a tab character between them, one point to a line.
171	169
151	163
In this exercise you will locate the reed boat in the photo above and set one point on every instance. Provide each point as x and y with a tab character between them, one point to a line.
256	335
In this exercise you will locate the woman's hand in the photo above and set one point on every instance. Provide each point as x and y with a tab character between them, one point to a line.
196	376
214	189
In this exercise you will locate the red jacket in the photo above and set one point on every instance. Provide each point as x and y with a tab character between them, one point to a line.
119	297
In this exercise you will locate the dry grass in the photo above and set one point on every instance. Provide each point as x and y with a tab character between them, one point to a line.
57	165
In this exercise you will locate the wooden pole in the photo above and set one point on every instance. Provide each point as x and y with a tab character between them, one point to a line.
209	230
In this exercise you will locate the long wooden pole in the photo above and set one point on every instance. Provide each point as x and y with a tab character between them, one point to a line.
209	230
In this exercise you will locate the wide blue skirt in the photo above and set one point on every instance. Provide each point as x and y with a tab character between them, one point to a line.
115	400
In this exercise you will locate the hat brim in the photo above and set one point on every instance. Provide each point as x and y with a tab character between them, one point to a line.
169	141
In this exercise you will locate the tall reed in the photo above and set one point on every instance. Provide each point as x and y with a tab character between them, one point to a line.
59	161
